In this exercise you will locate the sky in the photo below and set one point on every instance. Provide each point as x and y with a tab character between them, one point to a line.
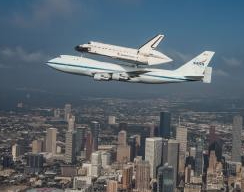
34	31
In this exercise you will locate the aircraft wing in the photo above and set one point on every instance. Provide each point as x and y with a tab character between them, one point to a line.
136	73
151	44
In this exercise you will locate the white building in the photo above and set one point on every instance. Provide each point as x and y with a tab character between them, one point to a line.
96	162
153	153
111	120
51	140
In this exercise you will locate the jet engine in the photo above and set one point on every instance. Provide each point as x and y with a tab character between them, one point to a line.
120	76
102	76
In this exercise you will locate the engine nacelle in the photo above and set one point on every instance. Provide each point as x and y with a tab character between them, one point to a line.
120	76
102	76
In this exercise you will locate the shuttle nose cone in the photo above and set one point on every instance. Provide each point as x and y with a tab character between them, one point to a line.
81	48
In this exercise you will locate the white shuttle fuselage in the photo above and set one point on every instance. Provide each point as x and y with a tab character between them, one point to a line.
145	55
194	70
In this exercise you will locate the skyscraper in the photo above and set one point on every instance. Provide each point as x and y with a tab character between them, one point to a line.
127	174
16	151
173	157
132	144
143	176
67	111
96	161
165	179
165	125
71	123
112	186
37	146
181	137
236	139
153	154
95	126
70	141
34	163
111	120
51	140
122	138
199	157
80	140
212	135
88	145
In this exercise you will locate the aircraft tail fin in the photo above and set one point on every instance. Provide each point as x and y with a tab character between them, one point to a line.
197	67
151	44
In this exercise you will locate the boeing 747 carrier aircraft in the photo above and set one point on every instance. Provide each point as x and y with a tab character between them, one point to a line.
145	55
195	70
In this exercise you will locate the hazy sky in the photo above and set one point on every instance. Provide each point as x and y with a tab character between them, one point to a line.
33	31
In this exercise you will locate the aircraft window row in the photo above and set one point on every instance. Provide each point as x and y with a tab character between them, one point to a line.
110	49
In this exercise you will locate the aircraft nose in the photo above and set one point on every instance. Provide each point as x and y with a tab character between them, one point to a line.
81	48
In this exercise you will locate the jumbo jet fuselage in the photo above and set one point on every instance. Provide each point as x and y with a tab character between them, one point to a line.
104	71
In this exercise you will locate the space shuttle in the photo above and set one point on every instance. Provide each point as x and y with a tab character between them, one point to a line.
145	55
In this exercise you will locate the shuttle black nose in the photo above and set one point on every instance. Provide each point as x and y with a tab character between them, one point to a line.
81	48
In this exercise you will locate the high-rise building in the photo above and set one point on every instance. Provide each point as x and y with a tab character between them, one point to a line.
127	174
95	127
16	152
71	123
70	141
164	151
122	136
132	144
236	139
173	157
112	186
142	176
188	174
199	157
153	154
111	120
212	135
56	113
181	137
34	163
165	179
51	140
212	162
165	125
88	145
67	111
106	159
96	162
37	146
80	140
123	153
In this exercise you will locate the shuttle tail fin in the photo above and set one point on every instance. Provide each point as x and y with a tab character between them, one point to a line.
151	44
197	67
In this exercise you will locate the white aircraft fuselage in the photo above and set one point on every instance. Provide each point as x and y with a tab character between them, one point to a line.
105	71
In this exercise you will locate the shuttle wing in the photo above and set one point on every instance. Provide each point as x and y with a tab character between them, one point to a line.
151	44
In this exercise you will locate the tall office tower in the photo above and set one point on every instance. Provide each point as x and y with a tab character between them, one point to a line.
164	151
181	137
173	157
122	136
153	154
132	144
138	144
80	140
188	174
216	146
153	131
112	186
192	152
236	139
123	153
71	123
111	120
165	179
212	162
70	141
37	146
16	151
95	127
127	174
67	111
88	145
96	162
34	163
212	135
199	157
51	140
165	125
106	159
142	176
56	113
